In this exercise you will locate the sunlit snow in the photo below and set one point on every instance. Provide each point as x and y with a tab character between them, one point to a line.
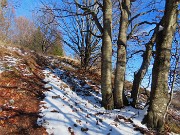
65	111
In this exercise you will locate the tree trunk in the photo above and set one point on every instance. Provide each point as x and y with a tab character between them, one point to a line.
159	89
138	77
106	67
119	96
88	40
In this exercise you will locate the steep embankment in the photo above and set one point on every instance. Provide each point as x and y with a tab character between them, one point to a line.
72	106
21	90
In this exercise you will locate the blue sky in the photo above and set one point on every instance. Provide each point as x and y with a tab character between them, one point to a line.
26	7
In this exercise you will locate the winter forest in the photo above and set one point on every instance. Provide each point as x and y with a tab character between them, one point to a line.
87	67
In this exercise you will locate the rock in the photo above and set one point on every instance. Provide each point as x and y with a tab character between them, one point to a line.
84	129
11	101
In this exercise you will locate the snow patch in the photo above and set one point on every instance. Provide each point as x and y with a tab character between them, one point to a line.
160	28
23	53
66	111
7	62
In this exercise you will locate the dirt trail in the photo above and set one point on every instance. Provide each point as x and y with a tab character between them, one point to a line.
21	90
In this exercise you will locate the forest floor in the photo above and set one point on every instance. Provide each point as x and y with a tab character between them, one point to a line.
40	96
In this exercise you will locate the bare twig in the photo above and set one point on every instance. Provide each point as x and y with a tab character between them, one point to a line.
140	14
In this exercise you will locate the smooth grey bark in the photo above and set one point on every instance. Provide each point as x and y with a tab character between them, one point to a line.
106	50
138	77
159	88
119	96
106	67
147	55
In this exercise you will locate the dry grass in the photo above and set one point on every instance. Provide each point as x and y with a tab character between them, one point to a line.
3	51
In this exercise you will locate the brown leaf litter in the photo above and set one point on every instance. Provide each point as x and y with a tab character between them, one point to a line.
20	94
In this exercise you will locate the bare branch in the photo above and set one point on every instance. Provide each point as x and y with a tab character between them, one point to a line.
140	51
100	5
140	14
98	36
137	25
94	15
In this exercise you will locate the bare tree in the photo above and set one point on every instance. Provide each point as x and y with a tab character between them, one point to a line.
78	29
7	16
106	50
48	35
125	6
126	31
106	67
49	31
147	53
24	29
138	77
159	88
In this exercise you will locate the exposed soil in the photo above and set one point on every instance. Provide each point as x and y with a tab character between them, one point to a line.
21	90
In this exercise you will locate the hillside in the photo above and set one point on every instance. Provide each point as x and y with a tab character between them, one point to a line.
21	90
42	95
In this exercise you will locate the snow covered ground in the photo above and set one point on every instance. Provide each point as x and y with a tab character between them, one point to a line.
76	110
7	62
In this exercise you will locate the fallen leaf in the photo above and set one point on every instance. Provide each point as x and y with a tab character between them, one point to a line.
55	111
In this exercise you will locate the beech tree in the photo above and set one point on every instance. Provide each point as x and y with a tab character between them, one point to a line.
80	43
146	56
106	67
159	100
106	50
122	46
138	77
125	34
119	96
174	73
